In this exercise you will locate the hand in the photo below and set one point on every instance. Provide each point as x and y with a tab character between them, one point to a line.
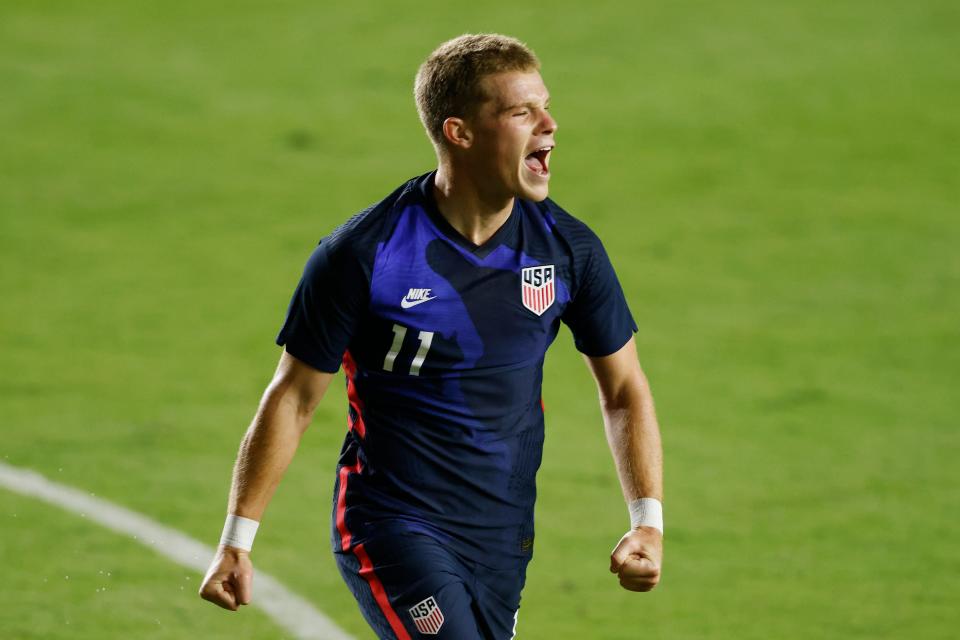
636	559
229	580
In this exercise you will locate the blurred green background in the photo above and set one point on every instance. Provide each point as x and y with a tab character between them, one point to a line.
777	184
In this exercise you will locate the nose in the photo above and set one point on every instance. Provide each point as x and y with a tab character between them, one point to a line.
547	124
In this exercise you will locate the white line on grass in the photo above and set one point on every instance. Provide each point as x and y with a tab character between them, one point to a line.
286	608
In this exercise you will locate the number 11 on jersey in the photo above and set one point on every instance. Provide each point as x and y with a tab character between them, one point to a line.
399	333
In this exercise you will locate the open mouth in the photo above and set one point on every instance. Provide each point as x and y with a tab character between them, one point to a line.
537	161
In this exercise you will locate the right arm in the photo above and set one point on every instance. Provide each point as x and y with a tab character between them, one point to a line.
285	412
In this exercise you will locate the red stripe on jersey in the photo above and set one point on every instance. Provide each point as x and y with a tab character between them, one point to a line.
350	369
345	535
379	593
366	566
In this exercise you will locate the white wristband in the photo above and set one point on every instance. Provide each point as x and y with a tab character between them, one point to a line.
646	512
239	532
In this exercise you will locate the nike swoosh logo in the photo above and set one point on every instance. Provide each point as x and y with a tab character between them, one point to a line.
406	304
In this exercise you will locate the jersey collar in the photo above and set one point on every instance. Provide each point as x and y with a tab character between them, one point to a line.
503	235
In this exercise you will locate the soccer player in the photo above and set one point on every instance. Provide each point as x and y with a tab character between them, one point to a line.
440	302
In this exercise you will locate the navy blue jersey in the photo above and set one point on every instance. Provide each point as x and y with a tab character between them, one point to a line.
442	343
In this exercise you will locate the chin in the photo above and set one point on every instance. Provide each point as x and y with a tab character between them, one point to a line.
536	195
536	189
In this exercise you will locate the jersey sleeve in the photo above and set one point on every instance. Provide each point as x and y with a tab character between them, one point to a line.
598	314
324	310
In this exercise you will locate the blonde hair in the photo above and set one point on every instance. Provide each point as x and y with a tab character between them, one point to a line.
448	82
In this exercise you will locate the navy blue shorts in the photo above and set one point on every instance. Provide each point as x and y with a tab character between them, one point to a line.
409	585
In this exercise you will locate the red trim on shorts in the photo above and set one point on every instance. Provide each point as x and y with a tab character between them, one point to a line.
366	566
379	593
350	369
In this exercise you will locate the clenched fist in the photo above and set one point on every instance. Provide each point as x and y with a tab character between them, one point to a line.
229	580
636	559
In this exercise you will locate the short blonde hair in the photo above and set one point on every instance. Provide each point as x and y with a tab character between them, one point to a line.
448	82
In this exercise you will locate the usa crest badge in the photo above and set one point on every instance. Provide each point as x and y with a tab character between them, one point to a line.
427	616
538	287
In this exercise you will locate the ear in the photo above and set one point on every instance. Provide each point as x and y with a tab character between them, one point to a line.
457	133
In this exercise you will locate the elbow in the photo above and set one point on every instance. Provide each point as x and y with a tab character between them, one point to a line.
631	392
288	399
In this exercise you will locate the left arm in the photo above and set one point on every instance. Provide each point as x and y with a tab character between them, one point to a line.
634	438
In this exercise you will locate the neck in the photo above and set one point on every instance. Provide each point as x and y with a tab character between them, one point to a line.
474	213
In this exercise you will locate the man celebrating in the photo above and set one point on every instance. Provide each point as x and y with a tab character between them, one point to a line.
440	303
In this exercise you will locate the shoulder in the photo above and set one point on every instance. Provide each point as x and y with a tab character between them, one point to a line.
581	241
368	226
347	253
563	223
354	242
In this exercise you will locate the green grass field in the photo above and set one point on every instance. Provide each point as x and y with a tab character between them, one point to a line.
778	185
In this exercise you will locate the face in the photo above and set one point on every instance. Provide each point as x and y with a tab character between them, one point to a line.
512	136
